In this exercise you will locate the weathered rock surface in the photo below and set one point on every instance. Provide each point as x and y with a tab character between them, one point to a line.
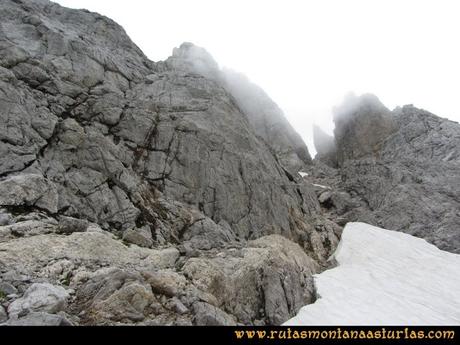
39	319
31	190
39	297
3	315
120	177
398	170
105	133
361	125
168	193
264	116
265	281
326	150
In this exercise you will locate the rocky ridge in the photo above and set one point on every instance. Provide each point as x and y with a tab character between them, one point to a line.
394	169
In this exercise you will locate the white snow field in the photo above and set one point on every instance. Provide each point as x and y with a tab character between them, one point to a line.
385	277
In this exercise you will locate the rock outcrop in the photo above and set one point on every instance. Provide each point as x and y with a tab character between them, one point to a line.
397	169
170	192
152	192
326	149
265	117
361	125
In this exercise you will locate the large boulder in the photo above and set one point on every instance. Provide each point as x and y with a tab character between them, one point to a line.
40	297
264	283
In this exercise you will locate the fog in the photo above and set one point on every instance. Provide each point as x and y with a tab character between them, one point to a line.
307	55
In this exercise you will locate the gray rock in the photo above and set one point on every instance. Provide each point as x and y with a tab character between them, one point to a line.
325	197
209	315
361	125
3	315
123	141
39	319
27	228
166	155
140	236
205	234
29	190
7	288
40	297
113	295
107	135
5	218
325	146
399	170
265	117
166	282
268	121
269	280
68	225
31	254
14	276
176	305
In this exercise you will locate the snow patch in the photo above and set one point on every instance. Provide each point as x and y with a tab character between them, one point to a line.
385	278
303	174
321	186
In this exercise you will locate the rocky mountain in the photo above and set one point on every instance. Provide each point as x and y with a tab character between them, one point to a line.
169	192
144	192
397	169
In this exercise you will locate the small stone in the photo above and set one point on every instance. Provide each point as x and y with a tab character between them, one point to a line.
176	305
68	225
163	258
208	315
140	236
324	197
40	297
5	219
7	288
166	282
94	228
14	276
127	303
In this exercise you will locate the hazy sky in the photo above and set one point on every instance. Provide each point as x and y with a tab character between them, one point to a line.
308	54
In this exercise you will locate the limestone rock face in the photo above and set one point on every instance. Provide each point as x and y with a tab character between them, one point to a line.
264	116
268	121
398	170
115	170
168	193
361	125
110	132
29	190
326	150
